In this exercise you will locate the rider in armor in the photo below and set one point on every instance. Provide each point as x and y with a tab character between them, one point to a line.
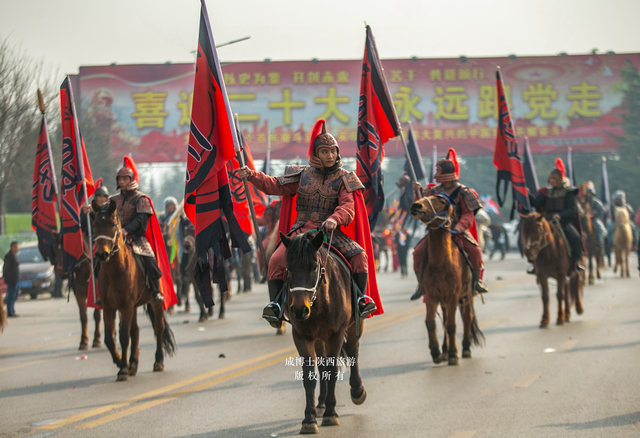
558	202
466	204
325	200
600	212
134	211
620	200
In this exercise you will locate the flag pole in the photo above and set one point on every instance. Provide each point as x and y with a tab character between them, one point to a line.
252	210
406	153
84	185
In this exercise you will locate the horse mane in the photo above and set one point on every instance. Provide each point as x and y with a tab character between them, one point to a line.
301	251
622	216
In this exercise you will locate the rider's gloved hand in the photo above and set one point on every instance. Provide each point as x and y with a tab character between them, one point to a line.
329	225
243	172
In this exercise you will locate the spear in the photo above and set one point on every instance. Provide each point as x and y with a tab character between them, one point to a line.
240	157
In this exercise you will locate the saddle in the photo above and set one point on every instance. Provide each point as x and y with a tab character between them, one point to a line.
556	228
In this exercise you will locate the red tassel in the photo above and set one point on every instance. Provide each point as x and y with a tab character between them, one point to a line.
315	131
560	167
129	163
98	183
451	155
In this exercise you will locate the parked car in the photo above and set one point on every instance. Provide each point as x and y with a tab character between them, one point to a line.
37	276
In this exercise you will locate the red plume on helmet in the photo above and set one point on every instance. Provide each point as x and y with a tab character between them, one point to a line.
451	156
560	167
317	129
130	164
98	183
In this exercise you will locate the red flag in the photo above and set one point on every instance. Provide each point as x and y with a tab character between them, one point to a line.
212	143
506	157
77	181
377	123
44	196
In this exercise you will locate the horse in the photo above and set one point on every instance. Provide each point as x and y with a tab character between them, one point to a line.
3	315
543	244
594	248
122	287
447	281
82	274
319	307
622	241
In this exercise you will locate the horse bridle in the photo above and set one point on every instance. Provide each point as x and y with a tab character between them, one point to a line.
541	239
113	239
442	216
319	277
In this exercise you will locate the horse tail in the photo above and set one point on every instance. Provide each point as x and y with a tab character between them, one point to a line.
477	337
168	339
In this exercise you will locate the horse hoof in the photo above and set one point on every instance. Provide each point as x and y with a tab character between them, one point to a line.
359	400
579	308
221	316
544	324
330	421
466	354
158	366
133	371
96	344
308	428
281	330
203	318
123	376
83	346
453	360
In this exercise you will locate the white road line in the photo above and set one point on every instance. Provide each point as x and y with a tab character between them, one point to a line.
526	380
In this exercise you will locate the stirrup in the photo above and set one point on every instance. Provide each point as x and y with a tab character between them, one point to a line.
273	314
367	308
481	288
158	297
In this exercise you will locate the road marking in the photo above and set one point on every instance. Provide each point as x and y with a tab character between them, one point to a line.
490	322
159	391
15	367
9	351
463	434
282	355
568	345
526	380
595	321
507	283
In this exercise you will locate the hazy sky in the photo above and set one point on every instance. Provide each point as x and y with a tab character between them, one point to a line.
70	33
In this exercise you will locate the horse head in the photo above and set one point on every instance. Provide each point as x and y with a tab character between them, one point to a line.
303	272
106	226
535	234
432	209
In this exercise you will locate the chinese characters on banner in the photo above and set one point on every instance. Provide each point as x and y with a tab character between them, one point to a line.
556	101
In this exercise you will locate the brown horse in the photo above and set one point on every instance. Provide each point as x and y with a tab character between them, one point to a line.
82	274
3	315
121	285
622	241
447	281
543	244
319	306
594	248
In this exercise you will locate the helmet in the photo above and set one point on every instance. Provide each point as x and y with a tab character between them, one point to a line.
101	191
129	169
170	200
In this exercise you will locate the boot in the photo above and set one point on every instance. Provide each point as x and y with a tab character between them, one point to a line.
273	313
419	290
156	293
366	306
476	282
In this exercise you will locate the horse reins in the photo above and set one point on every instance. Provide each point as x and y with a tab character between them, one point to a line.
112	240
320	276
542	238
442	216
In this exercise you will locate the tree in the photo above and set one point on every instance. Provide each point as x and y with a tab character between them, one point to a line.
20	76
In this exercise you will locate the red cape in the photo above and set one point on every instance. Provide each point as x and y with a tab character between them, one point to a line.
154	236
358	230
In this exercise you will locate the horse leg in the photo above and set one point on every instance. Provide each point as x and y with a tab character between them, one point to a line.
352	347
591	280
158	328
544	284
445	342
223	298
110	334
626	263
467	319
97	335
561	280
431	329
568	297
82	307
451	332
308	354
334	349
135	342
203	310
321	355
126	316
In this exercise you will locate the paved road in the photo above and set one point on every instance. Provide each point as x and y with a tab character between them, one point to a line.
229	377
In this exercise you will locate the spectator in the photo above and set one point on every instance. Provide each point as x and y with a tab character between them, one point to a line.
11	274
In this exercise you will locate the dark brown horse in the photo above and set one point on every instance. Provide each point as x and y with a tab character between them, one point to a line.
320	310
447	281
543	244
594	248
82	274
121	286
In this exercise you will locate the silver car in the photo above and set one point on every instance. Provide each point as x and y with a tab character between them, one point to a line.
37	276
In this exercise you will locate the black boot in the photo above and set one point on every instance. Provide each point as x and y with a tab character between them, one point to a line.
419	290
156	293
366	306
274	313
476	282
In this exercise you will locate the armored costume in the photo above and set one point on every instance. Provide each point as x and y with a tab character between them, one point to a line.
323	193
599	211
134	211
562	202
465	203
